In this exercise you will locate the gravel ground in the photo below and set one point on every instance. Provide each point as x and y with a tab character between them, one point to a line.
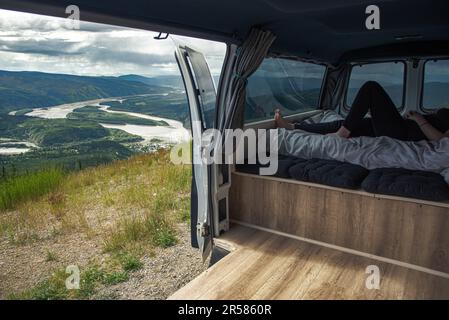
22	267
162	275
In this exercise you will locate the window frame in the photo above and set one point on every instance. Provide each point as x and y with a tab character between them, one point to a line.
323	81
423	77
400	108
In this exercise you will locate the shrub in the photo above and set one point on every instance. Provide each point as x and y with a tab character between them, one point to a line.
130	262
111	278
51	256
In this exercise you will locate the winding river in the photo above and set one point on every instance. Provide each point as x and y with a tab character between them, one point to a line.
15	147
172	134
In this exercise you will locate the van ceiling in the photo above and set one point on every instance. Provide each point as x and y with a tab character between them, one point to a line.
316	29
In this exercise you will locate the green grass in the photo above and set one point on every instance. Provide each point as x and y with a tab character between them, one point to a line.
165	238
54	288
18	190
129	262
161	230
89	281
135	205
116	277
49	289
157	229
51	256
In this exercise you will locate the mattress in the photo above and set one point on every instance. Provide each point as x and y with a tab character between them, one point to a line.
390	181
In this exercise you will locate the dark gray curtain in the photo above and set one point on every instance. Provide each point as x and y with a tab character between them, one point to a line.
249	56
334	88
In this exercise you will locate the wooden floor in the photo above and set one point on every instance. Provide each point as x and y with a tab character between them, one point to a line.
269	266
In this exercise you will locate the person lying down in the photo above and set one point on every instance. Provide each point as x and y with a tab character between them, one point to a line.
385	119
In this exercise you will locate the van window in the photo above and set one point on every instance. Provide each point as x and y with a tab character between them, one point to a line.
436	85
290	85
390	75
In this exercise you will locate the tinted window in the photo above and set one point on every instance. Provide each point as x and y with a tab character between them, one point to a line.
390	75
436	84
292	86
205	84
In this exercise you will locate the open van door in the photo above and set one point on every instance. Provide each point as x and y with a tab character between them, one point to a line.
201	94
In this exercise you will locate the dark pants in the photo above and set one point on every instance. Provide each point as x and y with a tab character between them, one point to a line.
385	118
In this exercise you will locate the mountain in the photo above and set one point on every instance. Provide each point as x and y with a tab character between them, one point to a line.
174	81
291	94
25	90
435	95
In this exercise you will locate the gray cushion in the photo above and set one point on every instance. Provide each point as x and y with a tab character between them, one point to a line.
407	183
329	172
284	164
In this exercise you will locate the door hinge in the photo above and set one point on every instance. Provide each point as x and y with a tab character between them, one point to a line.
203	229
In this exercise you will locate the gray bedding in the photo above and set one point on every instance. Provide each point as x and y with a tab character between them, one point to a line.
368	152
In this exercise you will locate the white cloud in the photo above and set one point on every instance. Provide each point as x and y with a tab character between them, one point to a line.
31	42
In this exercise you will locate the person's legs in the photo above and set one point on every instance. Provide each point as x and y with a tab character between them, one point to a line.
365	129
320	128
359	108
385	118
281	122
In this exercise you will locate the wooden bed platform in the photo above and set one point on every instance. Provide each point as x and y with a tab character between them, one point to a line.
264	265
408	230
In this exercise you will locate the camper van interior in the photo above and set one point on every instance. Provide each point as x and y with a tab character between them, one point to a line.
337	211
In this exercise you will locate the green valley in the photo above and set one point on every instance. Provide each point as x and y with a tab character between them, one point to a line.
171	106
25	90
78	138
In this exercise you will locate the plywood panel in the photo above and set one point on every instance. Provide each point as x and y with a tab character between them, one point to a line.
412	231
268	266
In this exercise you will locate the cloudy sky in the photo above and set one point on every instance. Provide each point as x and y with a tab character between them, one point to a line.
38	43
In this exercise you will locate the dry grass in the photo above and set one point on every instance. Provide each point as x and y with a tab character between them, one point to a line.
20	189
146	190
129	206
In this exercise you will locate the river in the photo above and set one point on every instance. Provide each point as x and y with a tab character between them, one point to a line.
171	134
8	148
174	133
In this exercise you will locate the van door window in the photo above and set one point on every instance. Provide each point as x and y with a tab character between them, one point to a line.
290	85
390	75
436	85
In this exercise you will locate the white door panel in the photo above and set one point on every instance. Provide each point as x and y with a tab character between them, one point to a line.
201	97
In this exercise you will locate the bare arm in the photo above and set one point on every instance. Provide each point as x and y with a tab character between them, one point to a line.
431	133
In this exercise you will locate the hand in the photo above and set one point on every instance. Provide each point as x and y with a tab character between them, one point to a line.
415	116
